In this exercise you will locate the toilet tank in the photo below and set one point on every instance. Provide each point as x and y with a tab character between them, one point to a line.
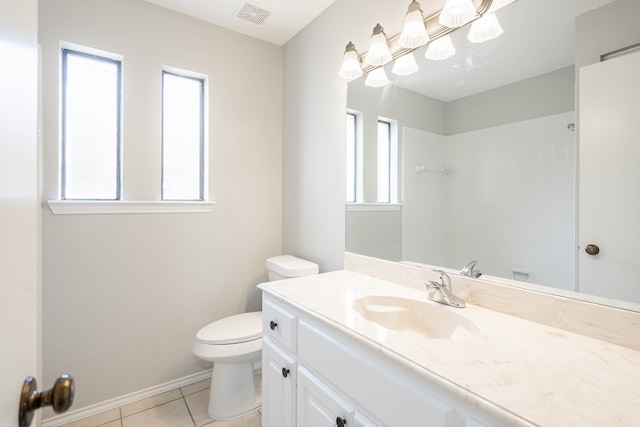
287	266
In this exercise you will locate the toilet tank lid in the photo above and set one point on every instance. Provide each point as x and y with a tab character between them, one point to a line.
233	329
290	266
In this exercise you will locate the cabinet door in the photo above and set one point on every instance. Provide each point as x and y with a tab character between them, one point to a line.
360	420
319	406
278	386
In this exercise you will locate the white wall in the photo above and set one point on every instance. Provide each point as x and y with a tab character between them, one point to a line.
125	294
511	200
508	200
425	198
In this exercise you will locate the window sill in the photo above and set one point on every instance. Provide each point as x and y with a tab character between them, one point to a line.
100	207
373	207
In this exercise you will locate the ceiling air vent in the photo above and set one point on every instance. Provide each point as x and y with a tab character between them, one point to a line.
253	14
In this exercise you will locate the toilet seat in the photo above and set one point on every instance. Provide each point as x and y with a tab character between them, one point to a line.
232	330
236	338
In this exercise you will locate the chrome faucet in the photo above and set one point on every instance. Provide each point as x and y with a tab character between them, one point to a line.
441	291
468	270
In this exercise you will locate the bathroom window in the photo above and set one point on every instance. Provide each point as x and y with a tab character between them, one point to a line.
91	124
354	157
387	170
183	135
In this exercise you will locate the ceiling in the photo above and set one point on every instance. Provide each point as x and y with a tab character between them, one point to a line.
538	38
285	17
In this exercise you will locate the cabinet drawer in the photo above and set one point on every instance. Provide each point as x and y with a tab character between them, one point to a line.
279	324
392	399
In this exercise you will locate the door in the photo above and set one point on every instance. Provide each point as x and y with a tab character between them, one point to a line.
609	180
19	211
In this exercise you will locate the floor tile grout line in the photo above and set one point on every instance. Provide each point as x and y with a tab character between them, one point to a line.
193	420
146	409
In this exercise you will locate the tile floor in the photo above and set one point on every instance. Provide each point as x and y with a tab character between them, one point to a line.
183	407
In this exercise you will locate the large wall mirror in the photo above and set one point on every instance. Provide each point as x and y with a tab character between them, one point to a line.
488	159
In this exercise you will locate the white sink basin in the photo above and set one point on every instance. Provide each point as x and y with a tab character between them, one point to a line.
427	319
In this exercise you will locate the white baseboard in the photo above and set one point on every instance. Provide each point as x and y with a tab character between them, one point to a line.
124	400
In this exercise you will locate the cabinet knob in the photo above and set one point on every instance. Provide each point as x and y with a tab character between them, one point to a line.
341	422
285	372
273	325
592	249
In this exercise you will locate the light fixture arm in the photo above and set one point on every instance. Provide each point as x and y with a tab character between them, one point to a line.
438	30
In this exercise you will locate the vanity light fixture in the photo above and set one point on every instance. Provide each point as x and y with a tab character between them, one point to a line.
350	68
377	78
379	53
414	32
457	13
417	31
405	65
484	29
440	49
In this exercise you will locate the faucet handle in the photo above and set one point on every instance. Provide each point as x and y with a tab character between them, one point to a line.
430	284
443	275
468	270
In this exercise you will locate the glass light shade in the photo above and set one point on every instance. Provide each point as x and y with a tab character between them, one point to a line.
378	53
456	13
414	33
440	49
350	68
377	78
484	29
405	65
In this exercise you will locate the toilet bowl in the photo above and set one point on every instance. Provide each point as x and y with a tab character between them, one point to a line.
234	345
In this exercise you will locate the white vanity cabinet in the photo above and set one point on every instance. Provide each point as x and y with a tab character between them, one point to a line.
335	379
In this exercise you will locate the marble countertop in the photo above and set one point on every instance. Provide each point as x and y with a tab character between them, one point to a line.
522	372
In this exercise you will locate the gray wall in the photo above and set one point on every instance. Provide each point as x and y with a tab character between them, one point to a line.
608	28
376	233
523	100
125	294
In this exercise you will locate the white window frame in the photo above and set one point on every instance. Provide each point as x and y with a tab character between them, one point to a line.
203	190
390	177
65	51
357	156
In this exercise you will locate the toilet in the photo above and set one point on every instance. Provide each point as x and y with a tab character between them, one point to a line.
234	345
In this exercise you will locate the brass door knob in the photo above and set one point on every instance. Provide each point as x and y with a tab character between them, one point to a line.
60	397
592	249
